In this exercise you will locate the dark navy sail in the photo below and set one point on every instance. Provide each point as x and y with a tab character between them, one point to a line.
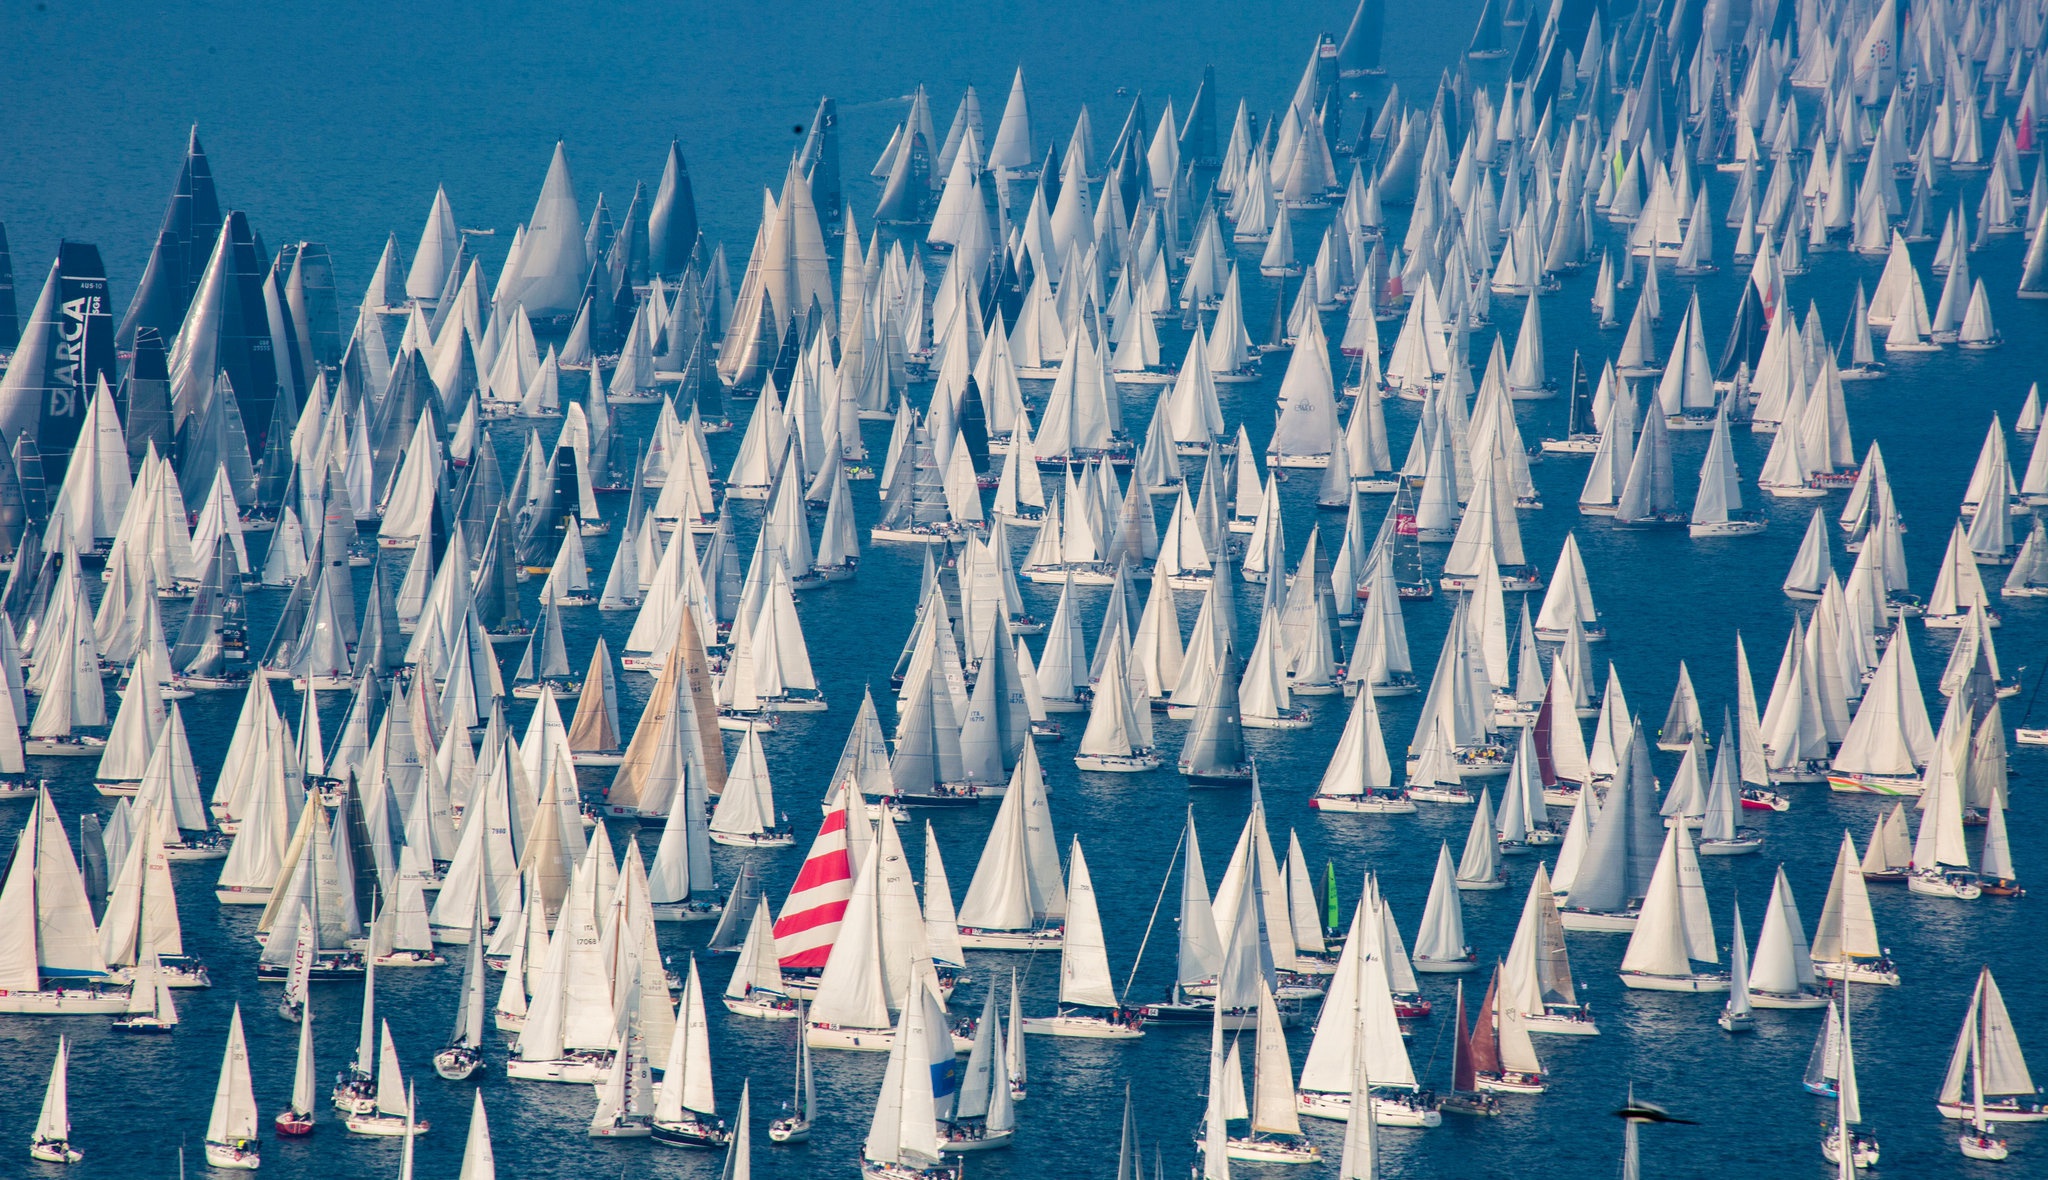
191	223
672	223
10	316
66	348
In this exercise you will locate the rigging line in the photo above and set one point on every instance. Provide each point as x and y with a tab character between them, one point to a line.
1157	902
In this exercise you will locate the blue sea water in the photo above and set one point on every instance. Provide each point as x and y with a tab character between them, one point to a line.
336	124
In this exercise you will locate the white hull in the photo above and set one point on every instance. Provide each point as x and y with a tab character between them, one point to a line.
754	840
1674	983
1600	923
1559	1024
1092	1028
2002	1111
956	1143
588	1071
243	894
223	1155
1012	940
866	1040
1117	763
687	912
761	1009
1386	1112
1804	1001
1869	973
1363	805
63	1002
81	747
1935	885
1266	1151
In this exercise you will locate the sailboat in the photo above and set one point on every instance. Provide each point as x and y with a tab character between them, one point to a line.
1735	1014
297	1119
745	816
1941	858
984	1115
50	958
1675	928
795	1127
1782	975
686	1106
231	1131
1503	1057
757	987
1465	1096
1537	975
1845	943
1360	776
1889	857
1359	1027
622	1111
1016	900
1989	1067
1863	1149
150	1006
52	1142
1274	1133
919	1082
1089	1006
464	1054
391	1114
1440	940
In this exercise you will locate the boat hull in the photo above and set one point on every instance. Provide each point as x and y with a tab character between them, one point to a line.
1783	1001
228	1155
588	1071
1642	981
1589	921
383	1126
458	1064
954	1142
1387	1111
1091	1028
1363	805
1011	940
2003	1110
63	1002
688	1134
1563	1024
778	1008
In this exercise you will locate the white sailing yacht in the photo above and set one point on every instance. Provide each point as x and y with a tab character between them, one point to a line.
297	1118
745	816
1360	776
757	987
231	1131
392	1114
52	1141
1987	1074
1089	1004
1273	1134
1845	942
686	1105
1536	978
1675	928
983	1114
1360	1030
903	1141
464	1054
51	963
1016	900
1440	940
1781	975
